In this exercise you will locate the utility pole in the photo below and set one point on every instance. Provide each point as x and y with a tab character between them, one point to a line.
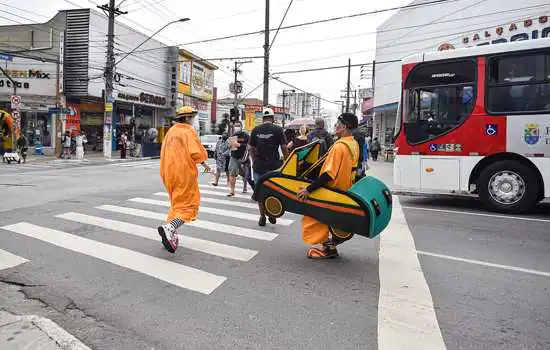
355	102
236	89
109	73
266	56
348	86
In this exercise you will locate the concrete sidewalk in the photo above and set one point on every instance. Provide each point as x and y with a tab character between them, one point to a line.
33	332
89	158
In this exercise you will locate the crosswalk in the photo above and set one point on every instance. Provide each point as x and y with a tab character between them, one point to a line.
120	219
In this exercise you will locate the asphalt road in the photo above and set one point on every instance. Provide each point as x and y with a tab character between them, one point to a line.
96	267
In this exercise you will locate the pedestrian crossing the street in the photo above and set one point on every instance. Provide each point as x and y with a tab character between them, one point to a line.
120	219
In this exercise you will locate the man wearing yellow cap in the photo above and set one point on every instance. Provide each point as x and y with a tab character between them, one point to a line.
181	152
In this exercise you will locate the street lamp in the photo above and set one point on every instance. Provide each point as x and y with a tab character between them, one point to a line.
284	97
151	36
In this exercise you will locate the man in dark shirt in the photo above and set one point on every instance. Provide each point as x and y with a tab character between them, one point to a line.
264	144
239	156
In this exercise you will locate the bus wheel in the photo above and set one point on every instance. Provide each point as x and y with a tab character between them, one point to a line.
508	187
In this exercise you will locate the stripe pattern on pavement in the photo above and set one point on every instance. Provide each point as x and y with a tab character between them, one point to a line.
176	274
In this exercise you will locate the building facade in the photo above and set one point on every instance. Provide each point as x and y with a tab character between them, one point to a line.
301	105
445	26
62	69
196	88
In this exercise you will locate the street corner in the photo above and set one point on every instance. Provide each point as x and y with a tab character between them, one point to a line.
34	332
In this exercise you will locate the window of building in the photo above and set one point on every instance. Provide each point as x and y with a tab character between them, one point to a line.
519	83
438	98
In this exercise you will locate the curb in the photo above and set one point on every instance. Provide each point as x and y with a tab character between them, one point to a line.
63	339
407	193
55	332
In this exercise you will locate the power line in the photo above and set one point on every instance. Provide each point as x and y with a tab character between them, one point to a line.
305	92
280	24
391	45
430	3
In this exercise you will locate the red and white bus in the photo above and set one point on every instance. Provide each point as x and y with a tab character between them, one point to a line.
477	120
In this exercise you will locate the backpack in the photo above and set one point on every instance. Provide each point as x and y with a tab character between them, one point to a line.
322	143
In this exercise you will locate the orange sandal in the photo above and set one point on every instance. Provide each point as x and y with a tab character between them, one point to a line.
327	252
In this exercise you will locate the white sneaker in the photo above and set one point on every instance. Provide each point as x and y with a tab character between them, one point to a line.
169	237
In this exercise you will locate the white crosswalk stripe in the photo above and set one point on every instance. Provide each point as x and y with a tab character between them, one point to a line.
168	271
223	250
207	225
110	219
215	211
9	260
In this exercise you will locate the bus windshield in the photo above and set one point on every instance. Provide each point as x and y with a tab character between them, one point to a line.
437	98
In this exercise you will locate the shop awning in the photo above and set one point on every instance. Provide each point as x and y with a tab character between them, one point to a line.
386	107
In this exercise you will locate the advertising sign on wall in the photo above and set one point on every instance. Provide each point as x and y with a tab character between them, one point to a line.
208	84
72	123
32	77
197	80
184	85
528	29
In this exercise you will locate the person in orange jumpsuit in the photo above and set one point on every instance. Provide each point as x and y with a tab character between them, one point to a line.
338	171
181	152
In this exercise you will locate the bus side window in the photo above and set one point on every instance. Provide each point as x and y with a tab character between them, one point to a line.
519	83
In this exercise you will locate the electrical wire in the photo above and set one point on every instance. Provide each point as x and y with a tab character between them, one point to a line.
355	15
280	24
297	88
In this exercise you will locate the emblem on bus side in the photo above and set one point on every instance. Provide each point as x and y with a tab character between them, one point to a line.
531	134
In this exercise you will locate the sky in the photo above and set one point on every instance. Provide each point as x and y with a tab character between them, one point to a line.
320	45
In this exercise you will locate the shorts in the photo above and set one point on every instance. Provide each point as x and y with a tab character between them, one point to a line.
235	167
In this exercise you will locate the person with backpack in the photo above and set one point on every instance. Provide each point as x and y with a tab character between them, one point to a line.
338	172
360	139
321	135
374	149
265	141
239	158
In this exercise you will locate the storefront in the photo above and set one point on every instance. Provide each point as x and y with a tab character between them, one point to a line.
35	83
441	27
136	112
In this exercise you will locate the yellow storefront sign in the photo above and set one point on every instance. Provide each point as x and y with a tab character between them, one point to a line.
108	107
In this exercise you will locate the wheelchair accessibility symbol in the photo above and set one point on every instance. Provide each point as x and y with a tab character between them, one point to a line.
491	129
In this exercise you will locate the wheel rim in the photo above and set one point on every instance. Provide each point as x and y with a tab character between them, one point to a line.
506	187
273	206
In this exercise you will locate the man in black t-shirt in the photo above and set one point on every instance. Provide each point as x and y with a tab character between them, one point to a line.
264	144
239	157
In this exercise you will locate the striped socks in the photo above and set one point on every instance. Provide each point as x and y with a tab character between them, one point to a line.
177	223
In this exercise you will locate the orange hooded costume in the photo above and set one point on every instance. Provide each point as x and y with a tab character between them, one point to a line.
181	152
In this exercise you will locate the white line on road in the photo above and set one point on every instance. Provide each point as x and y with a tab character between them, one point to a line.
476	214
214	211
168	271
205	225
196	244
484	263
229	203
9	260
406	315
223	191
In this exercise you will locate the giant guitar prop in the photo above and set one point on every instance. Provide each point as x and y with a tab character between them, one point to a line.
365	209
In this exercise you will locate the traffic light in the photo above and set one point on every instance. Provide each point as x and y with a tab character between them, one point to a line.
234	114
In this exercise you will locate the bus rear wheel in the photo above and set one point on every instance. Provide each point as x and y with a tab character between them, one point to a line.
509	187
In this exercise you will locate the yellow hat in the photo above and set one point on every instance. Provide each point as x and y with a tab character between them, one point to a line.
186	110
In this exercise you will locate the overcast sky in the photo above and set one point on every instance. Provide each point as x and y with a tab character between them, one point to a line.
319	45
